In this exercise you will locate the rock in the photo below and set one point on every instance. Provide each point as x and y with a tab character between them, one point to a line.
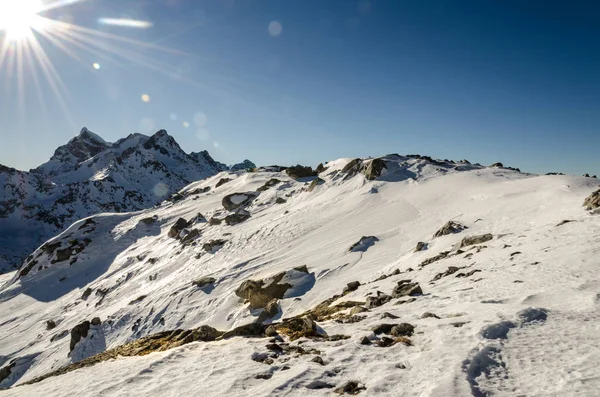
267	375
270	183
270	311
352	166
191	236
177	228
96	321
271	331
204	281
365	341
383	328
363	244
440	256
248	330
468	274
280	200
238	217
403	329
213	245
320	168
298	327
385	342
472	240
86	294
430	315
7	370
358	309
451	270
318	360
450	227
497	165
198	219
50	324
351	286
421	246
148	221
260	292
374	169
406	288
351	387
315	183
497	331
234	201
299	171
318	385
592	202
376	301
78	332
222	181
389	315
215	221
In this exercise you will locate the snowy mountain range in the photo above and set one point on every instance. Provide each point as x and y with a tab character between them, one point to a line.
395	276
89	175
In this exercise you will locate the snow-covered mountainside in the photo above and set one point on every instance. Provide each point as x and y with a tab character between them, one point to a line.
398	276
89	175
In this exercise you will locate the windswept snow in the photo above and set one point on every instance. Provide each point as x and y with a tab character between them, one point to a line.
518	314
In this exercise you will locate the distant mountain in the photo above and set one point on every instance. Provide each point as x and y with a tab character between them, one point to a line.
89	175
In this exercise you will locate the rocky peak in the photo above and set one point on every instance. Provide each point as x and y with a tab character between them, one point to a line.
162	142
204	158
244	165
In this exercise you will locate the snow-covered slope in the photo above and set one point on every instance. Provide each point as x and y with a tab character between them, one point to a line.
89	175
511	288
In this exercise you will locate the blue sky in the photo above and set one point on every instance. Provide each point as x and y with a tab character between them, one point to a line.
509	81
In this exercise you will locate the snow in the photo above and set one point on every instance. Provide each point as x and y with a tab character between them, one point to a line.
548	292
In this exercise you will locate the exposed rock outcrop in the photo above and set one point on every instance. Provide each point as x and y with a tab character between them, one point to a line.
260	292
233	201
450	227
472	240
592	202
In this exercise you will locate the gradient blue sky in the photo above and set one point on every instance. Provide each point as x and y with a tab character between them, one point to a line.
497	80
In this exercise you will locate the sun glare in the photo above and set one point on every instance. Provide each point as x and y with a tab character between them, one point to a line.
18	18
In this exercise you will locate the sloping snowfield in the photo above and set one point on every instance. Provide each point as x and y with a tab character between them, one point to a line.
517	315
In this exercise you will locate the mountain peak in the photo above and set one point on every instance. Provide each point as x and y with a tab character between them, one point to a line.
162	142
86	134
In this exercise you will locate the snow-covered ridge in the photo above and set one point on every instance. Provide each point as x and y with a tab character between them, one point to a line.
483	305
89	175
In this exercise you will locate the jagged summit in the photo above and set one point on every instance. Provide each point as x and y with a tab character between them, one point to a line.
88	175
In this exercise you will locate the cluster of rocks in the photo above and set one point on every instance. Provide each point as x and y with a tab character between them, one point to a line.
592	202
370	168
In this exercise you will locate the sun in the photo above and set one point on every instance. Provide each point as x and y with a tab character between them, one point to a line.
18	18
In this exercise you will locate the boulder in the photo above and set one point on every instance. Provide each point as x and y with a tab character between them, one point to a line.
298	327
247	330
406	288
450	227
260	292
421	246
315	183
177	228
472	240
96	321
270	311
374	169
363	244
430	315
270	183
222	181
50	324
592	202
215	221
204	281
213	245
451	270
497	165
149	220
237	217
299	171
280	200
233	201
376	301
402	329
351	388
351	286
320	168
78	332
191	236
